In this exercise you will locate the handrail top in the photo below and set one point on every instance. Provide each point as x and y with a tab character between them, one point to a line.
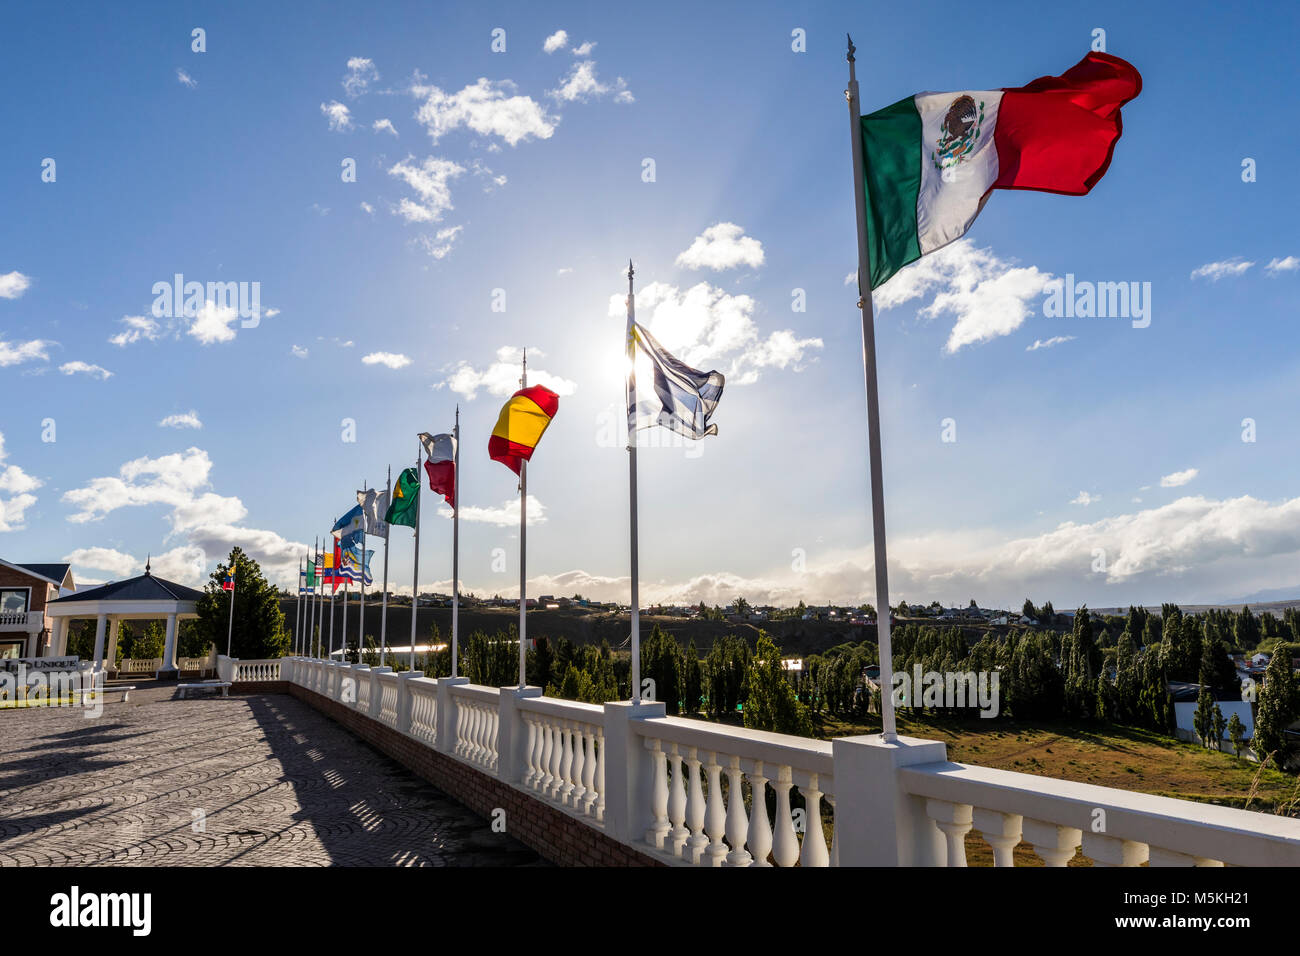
784	749
566	709
475	690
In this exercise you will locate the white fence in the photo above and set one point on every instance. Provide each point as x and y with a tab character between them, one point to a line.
236	671
694	793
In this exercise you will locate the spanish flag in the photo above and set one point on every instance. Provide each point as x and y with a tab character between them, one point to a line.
522	423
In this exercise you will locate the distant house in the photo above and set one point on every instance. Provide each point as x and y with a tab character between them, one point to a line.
25	591
1185	697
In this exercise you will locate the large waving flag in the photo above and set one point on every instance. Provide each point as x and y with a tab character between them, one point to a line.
523	421
350	527
933	159
374	505
684	398
406	497
440	464
354	567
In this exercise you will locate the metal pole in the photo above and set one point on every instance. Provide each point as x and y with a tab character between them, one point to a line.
415	574
383	611
361	630
523	550
297	617
889	730
311	610
631	471
230	626
343	631
455	551
334	590
320	599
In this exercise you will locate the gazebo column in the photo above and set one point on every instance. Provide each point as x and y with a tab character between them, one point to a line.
59	637
98	658
114	629
169	671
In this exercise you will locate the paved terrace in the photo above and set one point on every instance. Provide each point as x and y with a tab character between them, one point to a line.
277	783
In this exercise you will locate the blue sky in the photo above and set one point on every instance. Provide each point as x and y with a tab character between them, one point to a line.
522	171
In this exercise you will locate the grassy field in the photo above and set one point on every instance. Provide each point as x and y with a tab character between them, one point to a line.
1122	757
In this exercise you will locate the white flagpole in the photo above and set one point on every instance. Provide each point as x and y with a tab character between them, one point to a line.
230	626
361	631
455	549
523	550
632	508
311	610
415	574
889	730
320	599
297	618
383	611
343	642
334	590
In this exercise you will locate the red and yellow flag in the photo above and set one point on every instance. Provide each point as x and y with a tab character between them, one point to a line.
522	423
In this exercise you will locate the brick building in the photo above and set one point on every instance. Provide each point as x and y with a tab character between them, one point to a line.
25	591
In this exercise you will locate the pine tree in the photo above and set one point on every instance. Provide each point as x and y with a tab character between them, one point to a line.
1236	733
1276	709
1203	719
1218	724
771	703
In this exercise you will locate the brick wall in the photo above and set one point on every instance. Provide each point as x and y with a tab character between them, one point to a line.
10	578
554	834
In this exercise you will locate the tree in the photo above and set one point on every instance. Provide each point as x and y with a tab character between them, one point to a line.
1276	710
660	657
1218	724
1029	611
1203	718
771	703
258	629
692	680
1217	670
1236	733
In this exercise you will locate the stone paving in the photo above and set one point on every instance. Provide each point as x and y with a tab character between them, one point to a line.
242	781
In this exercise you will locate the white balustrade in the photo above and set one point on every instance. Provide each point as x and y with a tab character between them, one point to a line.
476	718
564	754
256	671
424	709
388	699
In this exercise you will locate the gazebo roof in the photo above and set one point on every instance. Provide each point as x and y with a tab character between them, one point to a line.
145	587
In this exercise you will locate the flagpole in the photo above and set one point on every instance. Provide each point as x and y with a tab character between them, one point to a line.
230	626
415	574
383	612
297	618
311	610
632	506
888	728
334	591
523	549
361	632
455	548
343	631
320	598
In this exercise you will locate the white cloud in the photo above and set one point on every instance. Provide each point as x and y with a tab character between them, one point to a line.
556	41
384	125
16	353
1178	478
188	419
339	117
723	245
361	73
486	107
704	325
213	323
368	209
298	351
18	486
85	368
185	79
13	284
1289	264
137	327
564	271
506	516
585	49
1048	343
389	359
581	84
989	297
502	377
116	563
440	245
430	180
1214	271
1085	499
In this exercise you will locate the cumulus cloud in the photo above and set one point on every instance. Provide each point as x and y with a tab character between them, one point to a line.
1084	498
584	49
1178	478
298	351
988	296
1214	271
1049	343
85	368
722	246
1275	266
502	377
388	359
16	486
13	284
704	325
429	179
486	107
556	41
581	84
117	563
361	73
185	79
214	323
188	419
137	327
506	516
384	126
16	353
440	244
340	118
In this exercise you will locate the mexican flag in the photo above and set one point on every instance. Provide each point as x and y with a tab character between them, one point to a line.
933	159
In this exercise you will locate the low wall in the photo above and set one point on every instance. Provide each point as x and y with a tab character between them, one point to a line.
557	836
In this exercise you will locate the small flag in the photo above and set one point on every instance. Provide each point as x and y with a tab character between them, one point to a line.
353	565
350	525
228	582
932	160
684	399
523	421
440	464
406	498
373	505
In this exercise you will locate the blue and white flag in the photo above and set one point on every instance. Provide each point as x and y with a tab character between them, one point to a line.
683	398
350	527
352	565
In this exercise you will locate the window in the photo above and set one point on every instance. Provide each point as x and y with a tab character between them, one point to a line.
12	649
13	600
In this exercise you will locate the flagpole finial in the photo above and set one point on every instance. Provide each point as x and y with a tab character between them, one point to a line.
852	48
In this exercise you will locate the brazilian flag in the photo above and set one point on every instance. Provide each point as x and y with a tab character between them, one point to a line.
406	499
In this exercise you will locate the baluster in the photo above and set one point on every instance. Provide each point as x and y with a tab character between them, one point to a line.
715	816
494	719
695	810
578	789
658	795
588	769
539	754
566	762
557	759
529	748
759	838
1054	844
785	846
1112	851
1001	831
737	825
813	852
677	803
954	819
548	744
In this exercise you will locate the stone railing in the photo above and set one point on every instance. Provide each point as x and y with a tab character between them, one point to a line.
139	665
694	793
236	671
22	618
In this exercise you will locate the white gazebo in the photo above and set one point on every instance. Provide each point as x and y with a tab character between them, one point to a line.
140	598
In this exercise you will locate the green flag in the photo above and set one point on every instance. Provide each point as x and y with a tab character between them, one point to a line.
406	497
312	580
